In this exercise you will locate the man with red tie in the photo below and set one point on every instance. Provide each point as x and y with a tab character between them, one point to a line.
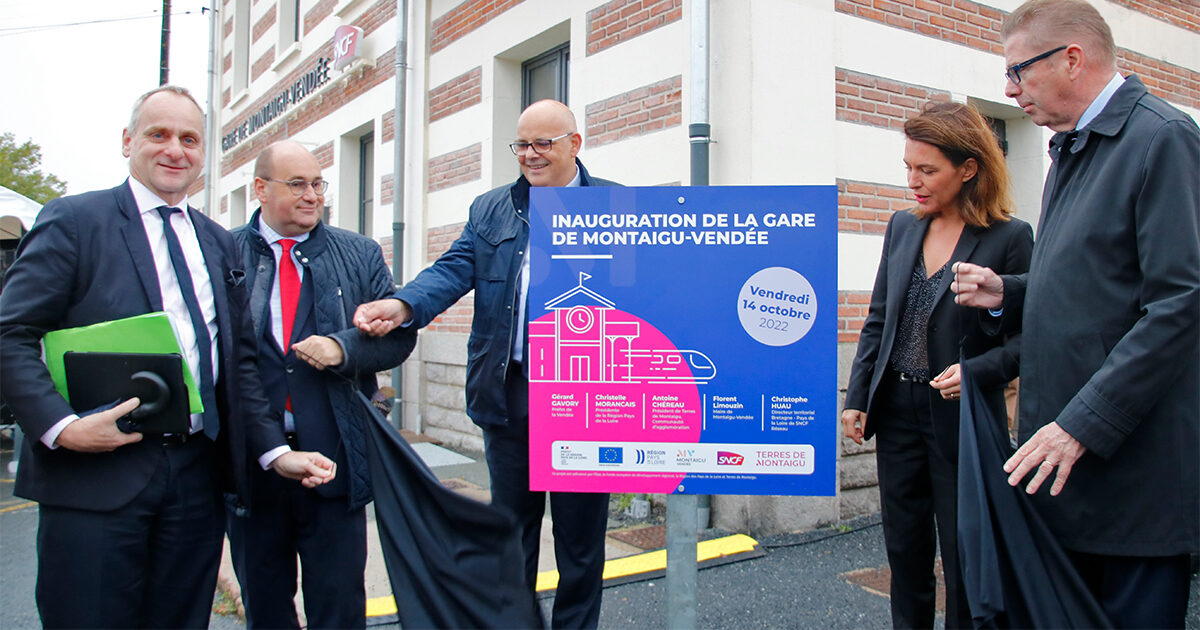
305	280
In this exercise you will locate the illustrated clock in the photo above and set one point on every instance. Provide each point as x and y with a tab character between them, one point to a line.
580	319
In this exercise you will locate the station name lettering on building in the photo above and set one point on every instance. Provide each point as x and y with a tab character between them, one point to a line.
274	108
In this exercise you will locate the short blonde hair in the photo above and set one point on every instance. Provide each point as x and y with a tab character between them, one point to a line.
1051	22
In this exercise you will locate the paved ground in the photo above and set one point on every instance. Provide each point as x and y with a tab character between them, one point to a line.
829	578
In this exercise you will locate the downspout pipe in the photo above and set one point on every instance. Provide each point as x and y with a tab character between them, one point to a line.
399	139
212	178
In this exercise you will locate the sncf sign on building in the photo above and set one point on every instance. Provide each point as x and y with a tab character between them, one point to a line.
345	45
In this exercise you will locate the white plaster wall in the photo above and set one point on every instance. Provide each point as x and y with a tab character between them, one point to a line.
858	260
771	92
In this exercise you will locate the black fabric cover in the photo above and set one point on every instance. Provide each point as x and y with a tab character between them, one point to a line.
453	562
1015	573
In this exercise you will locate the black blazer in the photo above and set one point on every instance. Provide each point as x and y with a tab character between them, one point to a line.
88	260
992	359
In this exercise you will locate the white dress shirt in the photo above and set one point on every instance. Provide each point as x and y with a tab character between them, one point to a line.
173	304
518	352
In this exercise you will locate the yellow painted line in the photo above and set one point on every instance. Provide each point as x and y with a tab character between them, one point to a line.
615	568
380	606
657	560
19	506
7	480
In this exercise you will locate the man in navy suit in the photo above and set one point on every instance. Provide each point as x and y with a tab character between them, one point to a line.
130	525
305	280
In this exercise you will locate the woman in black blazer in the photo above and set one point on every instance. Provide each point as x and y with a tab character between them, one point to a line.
904	383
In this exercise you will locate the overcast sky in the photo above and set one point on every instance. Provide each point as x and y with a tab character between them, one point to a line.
70	88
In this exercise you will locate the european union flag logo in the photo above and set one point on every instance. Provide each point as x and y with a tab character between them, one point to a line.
610	455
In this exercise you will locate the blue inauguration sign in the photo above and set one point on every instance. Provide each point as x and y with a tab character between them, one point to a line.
684	340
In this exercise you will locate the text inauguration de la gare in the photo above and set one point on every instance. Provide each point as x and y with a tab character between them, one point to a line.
674	228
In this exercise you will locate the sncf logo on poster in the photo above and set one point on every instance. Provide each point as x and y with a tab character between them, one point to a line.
726	458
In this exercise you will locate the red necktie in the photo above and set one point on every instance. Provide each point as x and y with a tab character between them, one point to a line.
289	296
289	291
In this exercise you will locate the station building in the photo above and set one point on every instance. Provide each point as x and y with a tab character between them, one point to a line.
801	92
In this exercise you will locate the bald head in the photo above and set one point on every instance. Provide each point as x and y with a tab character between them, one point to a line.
278	168
548	120
548	111
263	166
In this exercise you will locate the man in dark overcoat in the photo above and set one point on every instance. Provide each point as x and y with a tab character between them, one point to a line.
1110	316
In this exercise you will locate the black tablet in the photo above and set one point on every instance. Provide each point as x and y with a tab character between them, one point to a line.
97	379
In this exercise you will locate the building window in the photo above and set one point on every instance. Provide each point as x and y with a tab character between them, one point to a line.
289	23
545	76
237	206
366	182
241	46
1000	128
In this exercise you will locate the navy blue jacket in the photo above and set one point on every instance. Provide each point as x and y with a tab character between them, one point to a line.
344	270
487	258
87	260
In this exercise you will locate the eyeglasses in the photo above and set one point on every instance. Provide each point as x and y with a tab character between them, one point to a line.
539	146
1014	71
299	186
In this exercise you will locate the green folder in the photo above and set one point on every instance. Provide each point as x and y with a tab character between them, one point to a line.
150	333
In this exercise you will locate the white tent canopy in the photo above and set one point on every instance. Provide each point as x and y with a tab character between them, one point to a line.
16	211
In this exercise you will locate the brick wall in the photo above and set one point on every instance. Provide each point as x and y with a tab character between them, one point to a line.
959	21
264	23
319	12
852	312
456	167
1181	13
227	62
196	188
308	111
262	64
457	318
879	102
622	20
314	108
465	18
324	155
228	29
389	126
978	26
456	94
866	207
386	193
1174	83
385	243
640	111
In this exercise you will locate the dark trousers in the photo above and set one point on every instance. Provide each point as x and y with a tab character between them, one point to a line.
287	519
149	564
1138	592
580	518
918	487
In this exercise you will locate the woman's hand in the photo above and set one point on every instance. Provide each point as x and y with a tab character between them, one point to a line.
853	422
949	382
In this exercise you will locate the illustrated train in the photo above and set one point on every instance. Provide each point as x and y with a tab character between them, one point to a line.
663	365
